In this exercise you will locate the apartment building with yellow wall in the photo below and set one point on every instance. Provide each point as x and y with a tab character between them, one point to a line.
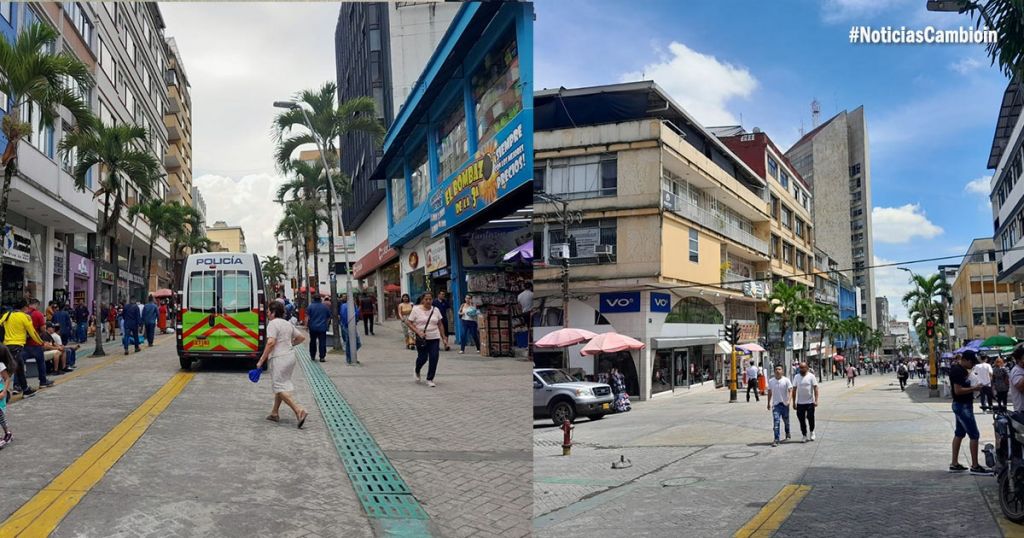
178	121
981	305
229	238
669	232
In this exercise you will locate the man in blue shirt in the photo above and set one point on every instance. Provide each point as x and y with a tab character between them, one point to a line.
62	317
317	318
343	319
150	314
131	317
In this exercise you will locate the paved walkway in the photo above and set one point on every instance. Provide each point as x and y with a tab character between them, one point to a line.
464	446
703	467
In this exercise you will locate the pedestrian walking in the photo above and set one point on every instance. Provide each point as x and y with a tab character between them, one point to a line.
1017	378
344	319
6	363
902	373
425	322
805	400
150	315
983	373
752	382
279	350
131	318
318	316
851	375
161	318
403	310
779	388
366	311
468	314
112	322
963	411
443	305
1000	382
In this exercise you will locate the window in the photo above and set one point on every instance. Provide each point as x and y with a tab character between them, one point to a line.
81	22
106	60
399	203
375	39
3	99
857	237
773	167
236	288
799	227
856	225
69	158
7	11
202	291
775	207
130	47
694	246
854	170
497	93
420	177
784	179
856	197
854	184
586	236
787	217
582	177
775	246
858	252
452	148
801	260
378	101
694	310
787	253
856	211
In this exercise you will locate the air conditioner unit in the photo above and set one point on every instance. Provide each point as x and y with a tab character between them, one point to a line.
559	251
605	250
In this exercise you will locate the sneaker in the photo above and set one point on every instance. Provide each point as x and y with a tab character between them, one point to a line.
775	443
804	439
15	392
418	379
47	384
323	359
788	437
812	436
431	384
29	392
464	351
981	471
957	468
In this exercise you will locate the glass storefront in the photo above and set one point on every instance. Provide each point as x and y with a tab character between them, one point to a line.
661	378
452	147
391	282
497	92
683	367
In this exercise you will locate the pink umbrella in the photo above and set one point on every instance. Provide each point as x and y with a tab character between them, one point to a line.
565	338
611	343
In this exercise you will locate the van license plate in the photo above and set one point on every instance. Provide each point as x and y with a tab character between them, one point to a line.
606	406
202	342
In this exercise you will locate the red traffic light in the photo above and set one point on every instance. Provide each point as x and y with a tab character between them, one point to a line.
929	328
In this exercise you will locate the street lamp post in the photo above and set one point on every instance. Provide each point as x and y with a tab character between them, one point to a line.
350	321
566	217
933	373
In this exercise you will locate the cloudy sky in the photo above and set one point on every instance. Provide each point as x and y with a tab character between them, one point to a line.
931	109
240	58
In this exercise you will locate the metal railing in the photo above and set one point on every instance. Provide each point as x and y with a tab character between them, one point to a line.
708	219
734	281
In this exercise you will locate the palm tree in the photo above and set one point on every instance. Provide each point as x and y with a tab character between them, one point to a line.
1006	17
186	237
32	75
306	217
273	272
927	302
330	123
115	150
168	219
788	304
825	320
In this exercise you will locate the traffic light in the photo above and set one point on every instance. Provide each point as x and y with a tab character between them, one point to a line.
732	333
929	328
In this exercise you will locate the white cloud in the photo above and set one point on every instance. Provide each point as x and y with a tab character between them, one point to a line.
247	202
966	65
701	83
235	73
892	283
901	224
980	186
834	11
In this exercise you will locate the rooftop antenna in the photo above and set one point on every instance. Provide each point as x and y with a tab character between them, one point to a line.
815	113
801	128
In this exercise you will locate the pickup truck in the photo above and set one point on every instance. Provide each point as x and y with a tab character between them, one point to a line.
558	396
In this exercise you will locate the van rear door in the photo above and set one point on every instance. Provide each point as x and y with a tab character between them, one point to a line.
238	317
201	308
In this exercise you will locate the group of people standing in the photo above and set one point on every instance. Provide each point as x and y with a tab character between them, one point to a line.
801	393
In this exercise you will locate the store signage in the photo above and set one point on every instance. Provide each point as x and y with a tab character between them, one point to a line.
502	165
436	254
58	264
661	302
414	260
135	279
440	273
486	247
17	244
757	289
749	331
377	256
106	276
82	268
617	303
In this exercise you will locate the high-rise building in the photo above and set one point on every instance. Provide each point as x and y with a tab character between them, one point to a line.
834	159
982	305
882	314
178	121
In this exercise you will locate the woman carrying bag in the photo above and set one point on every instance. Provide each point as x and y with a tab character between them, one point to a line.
281	336
404	309
425	322
468	314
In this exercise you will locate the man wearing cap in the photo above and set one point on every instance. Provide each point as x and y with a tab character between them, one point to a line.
963	412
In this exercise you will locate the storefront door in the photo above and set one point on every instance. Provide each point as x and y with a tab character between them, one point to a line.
662	376
681	357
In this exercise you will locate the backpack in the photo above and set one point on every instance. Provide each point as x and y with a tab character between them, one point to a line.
902	370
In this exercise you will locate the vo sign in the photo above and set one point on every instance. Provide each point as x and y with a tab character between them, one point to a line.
613	303
661	302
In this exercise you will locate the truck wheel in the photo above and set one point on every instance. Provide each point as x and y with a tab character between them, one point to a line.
186	363
562	411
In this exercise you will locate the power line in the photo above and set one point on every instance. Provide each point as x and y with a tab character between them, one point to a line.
721	284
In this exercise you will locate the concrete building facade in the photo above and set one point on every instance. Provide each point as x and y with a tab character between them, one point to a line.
178	122
981	304
882	314
228	238
834	159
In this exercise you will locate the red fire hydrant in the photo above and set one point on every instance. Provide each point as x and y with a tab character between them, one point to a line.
566	438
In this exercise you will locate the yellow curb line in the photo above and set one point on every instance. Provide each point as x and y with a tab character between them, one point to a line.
773	514
44	511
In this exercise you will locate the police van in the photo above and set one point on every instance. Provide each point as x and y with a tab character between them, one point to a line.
222	311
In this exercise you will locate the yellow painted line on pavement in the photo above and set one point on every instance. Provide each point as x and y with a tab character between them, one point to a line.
43	512
773	514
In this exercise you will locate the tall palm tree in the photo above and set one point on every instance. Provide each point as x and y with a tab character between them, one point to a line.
273	272
927	301
308	186
1006	17
186	237
31	74
306	217
824	319
167	219
788	304
115	151
331	121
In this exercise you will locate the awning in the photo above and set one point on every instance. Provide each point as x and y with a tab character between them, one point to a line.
751	347
672	342
724	347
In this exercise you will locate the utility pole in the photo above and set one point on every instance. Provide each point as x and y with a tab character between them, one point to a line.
566	217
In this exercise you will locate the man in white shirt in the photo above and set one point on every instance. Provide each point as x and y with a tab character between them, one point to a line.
752	382
983	372
1017	379
805	399
779	388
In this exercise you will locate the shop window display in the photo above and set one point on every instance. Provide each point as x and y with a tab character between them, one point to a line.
452	148
623	361
497	92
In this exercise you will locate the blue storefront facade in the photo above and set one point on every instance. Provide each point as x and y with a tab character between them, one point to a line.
458	167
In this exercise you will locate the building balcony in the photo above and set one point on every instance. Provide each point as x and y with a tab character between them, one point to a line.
708	219
173	159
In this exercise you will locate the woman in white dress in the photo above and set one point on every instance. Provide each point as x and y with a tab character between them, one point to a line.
281	336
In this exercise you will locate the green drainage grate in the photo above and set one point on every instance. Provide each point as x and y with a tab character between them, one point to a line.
382	492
